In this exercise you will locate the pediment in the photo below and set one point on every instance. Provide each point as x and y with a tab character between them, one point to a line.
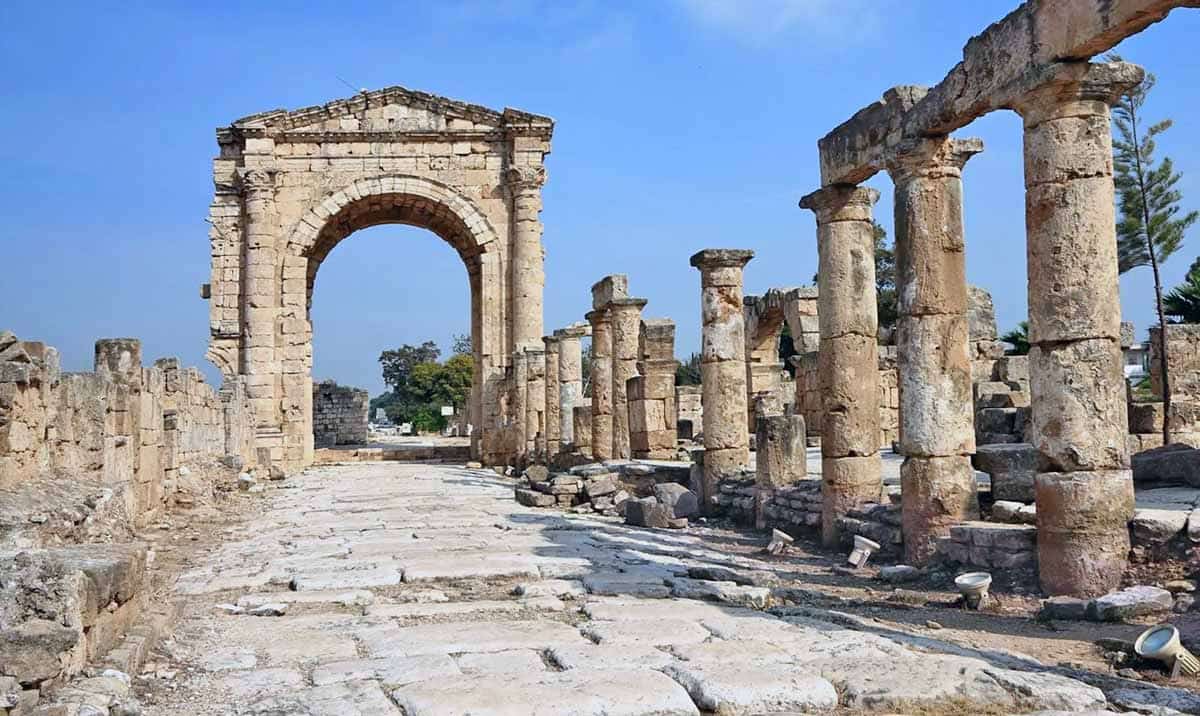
394	109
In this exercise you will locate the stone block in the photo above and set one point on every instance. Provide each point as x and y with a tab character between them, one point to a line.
1176	464
679	500
647	512
1130	602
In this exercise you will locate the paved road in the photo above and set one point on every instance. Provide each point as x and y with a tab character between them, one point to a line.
416	589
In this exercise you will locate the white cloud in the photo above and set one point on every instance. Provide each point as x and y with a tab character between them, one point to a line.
760	21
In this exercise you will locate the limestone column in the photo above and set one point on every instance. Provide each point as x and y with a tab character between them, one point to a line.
535	405
626	328
848	362
528	276
259	359
937	430
722	367
518	406
602	419
552	432
570	379
1084	487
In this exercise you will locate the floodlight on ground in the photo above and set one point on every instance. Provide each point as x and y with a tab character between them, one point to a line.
1161	643
863	549
973	586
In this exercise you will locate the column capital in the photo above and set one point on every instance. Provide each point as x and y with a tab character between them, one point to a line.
254	181
1068	88
709	259
931	157
551	342
841	202
525	178
598	316
575	330
626	305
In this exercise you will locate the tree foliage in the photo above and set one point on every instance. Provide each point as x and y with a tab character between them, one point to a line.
420	385
1019	338
1182	304
688	371
1150	227
398	363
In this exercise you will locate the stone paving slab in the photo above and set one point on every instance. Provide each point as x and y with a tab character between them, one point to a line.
427	590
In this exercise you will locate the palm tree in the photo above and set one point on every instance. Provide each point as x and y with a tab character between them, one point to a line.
1182	304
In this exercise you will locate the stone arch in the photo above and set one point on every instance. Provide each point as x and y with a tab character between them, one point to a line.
291	185
765	317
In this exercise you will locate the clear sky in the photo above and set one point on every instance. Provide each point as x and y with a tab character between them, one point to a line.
681	125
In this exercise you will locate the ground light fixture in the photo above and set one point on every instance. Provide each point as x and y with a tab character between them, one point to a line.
973	586
1161	643
863	549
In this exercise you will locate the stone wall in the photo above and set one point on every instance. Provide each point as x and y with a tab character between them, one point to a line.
339	414
127	426
651	394
688	403
889	398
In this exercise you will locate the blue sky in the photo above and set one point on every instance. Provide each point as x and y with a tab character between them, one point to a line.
681	124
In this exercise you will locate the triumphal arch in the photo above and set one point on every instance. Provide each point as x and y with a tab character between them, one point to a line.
291	185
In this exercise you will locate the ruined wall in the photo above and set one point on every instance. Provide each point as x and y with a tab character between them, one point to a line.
688	403
653	416
889	397
339	414
124	425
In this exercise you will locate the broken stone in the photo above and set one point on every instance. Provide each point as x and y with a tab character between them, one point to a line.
679	500
245	481
1175	464
899	574
1064	608
1130	602
1154	527
271	609
647	512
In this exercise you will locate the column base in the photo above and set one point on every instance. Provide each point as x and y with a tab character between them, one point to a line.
938	492
1083	534
846	483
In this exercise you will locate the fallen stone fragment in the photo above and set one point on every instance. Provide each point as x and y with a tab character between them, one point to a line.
899	574
270	609
533	498
245	481
1175	464
1155	527
679	501
1064	608
1130	602
646	512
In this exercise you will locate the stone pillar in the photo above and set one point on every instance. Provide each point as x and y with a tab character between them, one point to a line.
260	285
604	292
722	367
626	324
570	381
780	458
581	416
552	432
653	415
602	422
517	407
848	362
528	273
937	427
1084	488
535	405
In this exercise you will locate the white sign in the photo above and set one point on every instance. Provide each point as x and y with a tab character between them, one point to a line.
448	410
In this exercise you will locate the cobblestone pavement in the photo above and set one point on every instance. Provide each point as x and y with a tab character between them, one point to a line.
419	589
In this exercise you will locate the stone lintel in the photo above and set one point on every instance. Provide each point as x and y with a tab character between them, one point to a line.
575	330
721	258
625	304
1001	58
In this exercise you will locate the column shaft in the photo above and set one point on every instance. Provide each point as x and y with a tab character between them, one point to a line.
1084	488
848	362
722	367
570	380
527	271
553	400
261	286
602	417
517	407
626	322
937	435
535	405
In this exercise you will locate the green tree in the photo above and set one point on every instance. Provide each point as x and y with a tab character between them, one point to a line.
398	363
688	371
1149	228
1182	304
1019	338
460	344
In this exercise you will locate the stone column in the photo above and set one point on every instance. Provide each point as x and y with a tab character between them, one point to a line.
535	405
722	367
937	428
552	431
780	459
626	326
1084	488
848	362
528	273
602	419
570	379
517	407
653	414
259	358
